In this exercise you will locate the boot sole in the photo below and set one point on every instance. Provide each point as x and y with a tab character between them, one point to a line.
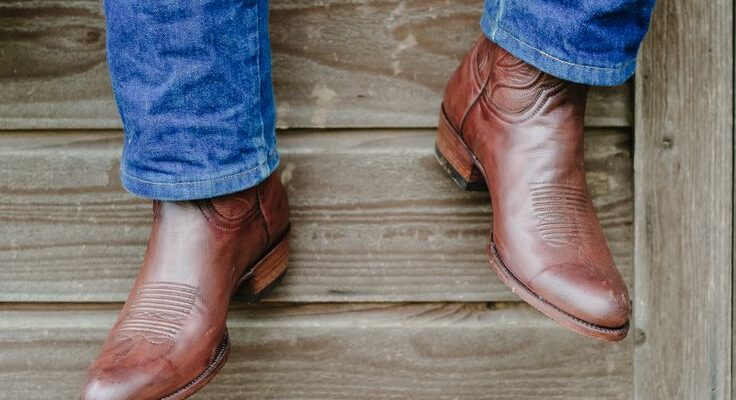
206	376
463	167
256	283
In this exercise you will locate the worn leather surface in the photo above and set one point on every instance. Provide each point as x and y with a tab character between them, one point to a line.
173	322
525	127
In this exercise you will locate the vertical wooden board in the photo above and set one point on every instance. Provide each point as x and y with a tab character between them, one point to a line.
337	63
683	202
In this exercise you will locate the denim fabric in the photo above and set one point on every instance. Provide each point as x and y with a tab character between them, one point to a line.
192	80
593	42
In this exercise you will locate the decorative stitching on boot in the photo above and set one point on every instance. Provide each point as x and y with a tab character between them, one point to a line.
559	210
540	90
158	311
216	215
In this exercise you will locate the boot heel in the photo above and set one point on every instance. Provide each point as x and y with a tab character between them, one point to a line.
265	275
455	158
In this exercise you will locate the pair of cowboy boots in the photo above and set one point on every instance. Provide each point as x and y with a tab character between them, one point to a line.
504	125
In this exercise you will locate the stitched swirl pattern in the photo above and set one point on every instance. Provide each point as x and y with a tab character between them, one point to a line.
518	91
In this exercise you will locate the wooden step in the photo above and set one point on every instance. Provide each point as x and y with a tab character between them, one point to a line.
343	351
336	63
374	218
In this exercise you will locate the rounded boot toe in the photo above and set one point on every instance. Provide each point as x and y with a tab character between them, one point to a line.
116	387
98	389
585	294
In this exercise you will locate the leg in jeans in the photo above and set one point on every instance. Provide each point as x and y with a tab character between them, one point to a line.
193	85
512	121
593	42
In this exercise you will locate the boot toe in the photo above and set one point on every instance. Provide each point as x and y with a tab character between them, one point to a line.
107	388
585	293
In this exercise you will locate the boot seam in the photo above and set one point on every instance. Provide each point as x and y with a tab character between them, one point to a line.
477	98
262	211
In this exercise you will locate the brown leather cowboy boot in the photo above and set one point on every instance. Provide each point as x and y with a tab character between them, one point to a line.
170	338
507	126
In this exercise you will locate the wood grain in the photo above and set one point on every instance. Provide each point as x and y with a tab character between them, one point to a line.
337	63
374	218
343	351
684	199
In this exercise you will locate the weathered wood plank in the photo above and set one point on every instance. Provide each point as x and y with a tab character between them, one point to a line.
374	218
337	63
684	199
362	351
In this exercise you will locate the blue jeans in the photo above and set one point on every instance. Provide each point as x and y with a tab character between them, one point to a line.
594	42
192	79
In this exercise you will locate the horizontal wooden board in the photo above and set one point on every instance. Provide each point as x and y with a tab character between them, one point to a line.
374	218
337	63
339	351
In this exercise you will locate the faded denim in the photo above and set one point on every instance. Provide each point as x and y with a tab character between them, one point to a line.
593	42
192	80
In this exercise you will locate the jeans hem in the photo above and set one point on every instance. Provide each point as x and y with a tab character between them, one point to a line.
200	189
555	66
